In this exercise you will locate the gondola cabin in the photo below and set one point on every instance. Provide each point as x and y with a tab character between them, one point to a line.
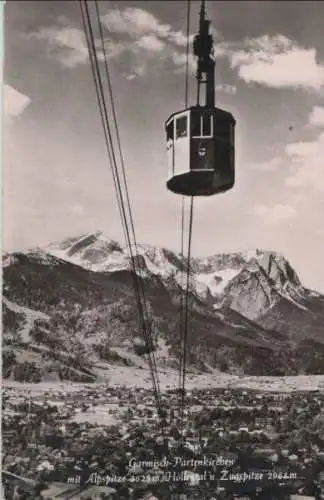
200	150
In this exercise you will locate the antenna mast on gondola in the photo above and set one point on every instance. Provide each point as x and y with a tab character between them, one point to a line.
204	50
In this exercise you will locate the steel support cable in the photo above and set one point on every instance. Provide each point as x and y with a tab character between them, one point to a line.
187	55
182	296
122	161
186	309
109	143
114	164
99	99
147	341
183	216
145	314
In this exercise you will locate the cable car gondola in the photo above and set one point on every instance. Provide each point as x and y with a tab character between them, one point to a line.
201	139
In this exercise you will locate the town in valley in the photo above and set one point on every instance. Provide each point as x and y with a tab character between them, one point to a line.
107	442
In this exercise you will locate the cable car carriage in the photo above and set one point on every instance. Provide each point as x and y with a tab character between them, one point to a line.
200	139
200	150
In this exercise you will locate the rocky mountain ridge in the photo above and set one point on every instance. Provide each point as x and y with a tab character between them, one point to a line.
249	282
249	312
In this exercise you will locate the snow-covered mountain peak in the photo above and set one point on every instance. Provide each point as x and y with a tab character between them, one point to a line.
9	260
261	283
259	276
92	251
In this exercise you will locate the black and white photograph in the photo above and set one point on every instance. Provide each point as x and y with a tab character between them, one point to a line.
162	250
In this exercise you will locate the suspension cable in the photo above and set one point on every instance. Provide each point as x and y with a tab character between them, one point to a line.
102	115
181	295
122	161
184	290
187	55
112	159
186	308
183	200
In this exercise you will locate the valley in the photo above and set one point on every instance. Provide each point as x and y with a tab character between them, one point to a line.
249	313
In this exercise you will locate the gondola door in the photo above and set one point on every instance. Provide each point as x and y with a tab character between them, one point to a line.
170	147
181	143
202	142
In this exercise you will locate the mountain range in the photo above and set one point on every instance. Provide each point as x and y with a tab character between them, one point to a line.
70	308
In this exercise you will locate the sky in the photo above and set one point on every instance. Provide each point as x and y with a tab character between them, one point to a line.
269	74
